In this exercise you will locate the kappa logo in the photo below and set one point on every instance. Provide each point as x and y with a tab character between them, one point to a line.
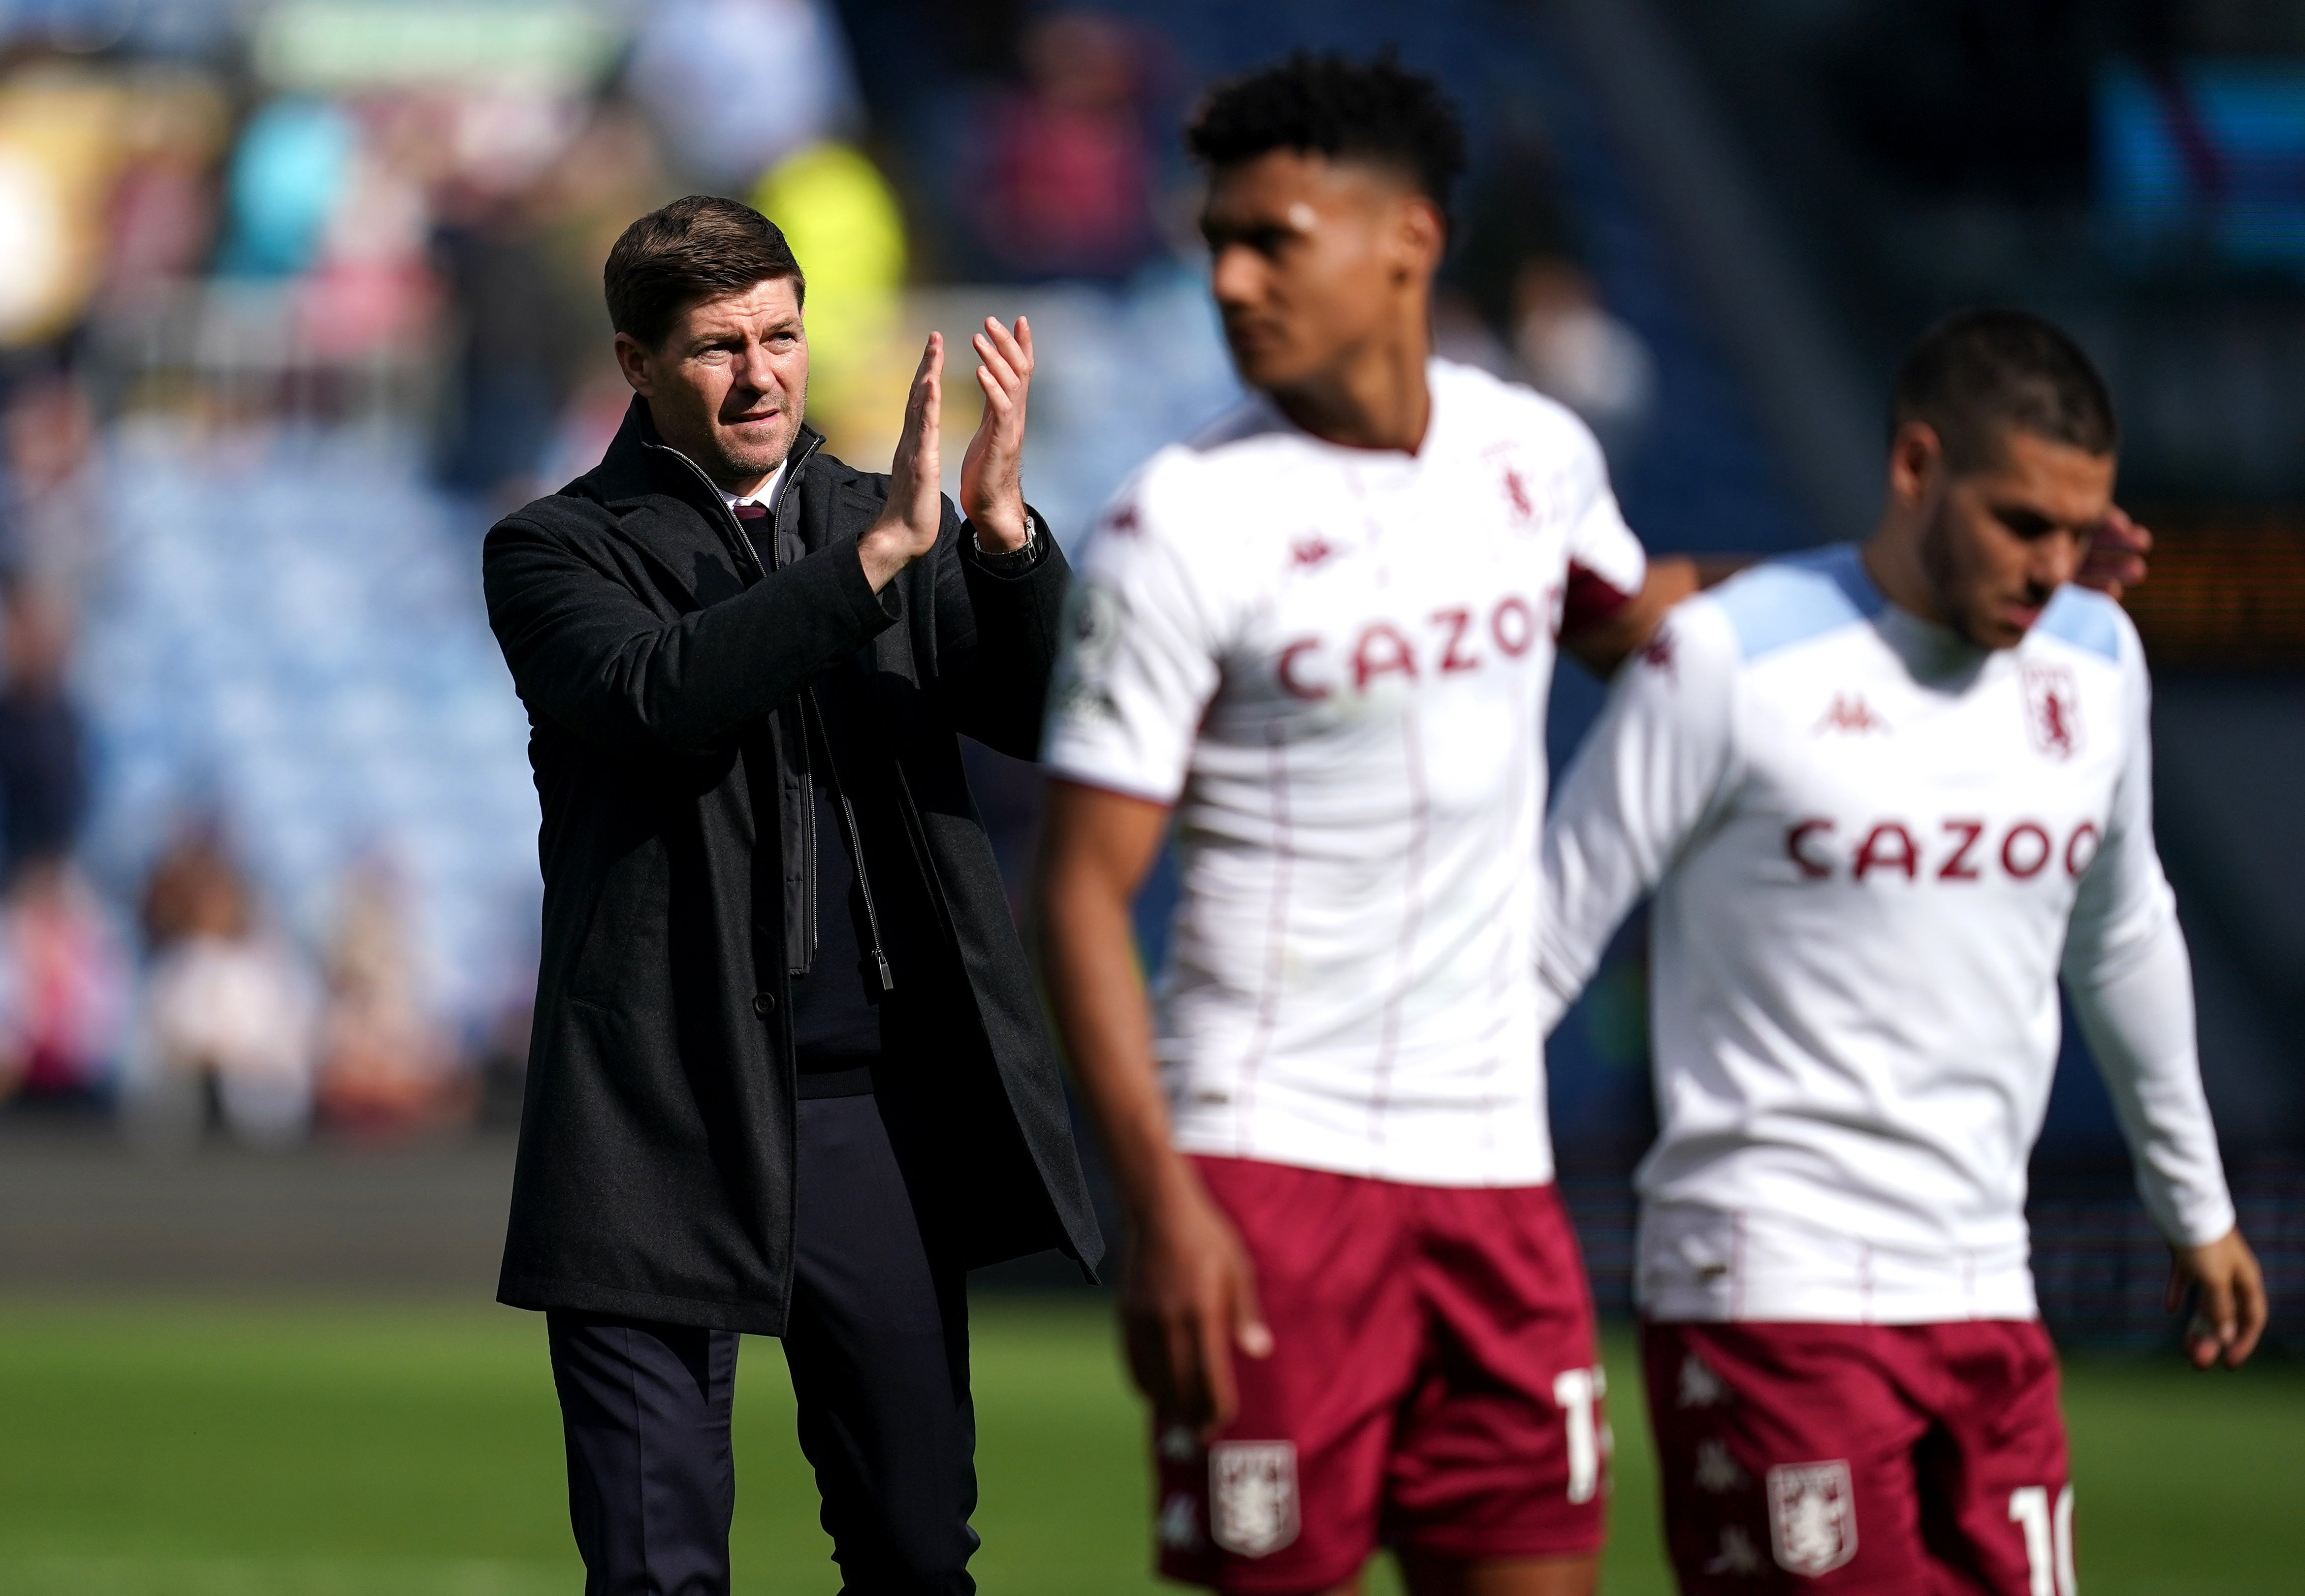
2052	710
1310	551
1850	713
1737	1555
1716	1470
1253	1509
1179	1445
1812	1517
1179	1527
1700	1387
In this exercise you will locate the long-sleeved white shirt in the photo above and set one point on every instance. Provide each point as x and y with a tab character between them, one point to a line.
1334	662
1874	848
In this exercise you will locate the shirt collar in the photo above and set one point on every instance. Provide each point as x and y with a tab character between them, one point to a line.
765	496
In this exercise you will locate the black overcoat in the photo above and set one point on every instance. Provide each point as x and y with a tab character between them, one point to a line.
662	667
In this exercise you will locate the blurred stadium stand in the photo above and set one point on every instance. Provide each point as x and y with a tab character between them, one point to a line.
294	638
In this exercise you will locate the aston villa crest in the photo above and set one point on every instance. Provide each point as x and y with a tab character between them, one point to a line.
1812	1517
2052	710
1253	1495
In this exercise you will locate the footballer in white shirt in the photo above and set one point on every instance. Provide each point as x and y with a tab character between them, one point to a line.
1320	639
1887	798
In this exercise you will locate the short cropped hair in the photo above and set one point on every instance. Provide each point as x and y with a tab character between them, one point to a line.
695	249
1374	111
1977	376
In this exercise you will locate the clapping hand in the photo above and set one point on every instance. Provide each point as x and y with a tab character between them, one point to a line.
993	471
908	526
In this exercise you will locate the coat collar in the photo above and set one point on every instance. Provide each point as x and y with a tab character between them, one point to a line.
640	465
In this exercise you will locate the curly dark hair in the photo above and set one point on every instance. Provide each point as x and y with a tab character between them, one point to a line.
1979	375
1374	111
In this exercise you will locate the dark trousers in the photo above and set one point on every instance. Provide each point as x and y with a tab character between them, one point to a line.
878	1345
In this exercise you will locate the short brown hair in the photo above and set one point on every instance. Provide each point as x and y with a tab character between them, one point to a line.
1979	375
696	249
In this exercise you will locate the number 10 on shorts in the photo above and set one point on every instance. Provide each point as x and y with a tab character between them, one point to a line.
1578	1391
2048	1538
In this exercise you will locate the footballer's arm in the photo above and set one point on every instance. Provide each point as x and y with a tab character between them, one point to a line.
2129	976
1604	645
2135	1005
1655	763
1188	1294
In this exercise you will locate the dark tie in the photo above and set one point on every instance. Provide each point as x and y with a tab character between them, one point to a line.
749	511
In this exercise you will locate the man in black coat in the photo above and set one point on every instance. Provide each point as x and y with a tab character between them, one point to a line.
789	1074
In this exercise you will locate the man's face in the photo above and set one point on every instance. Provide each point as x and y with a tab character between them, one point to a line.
1314	259
2000	540
728	385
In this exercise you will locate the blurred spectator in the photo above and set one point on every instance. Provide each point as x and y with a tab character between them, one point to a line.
1573	350
162	211
43	755
385	1070
60	123
847	233
609	173
843	223
518	322
288	173
1067	161
56	519
228	1014
1511	214
698	68
513	345
1519	271
368	286
63	987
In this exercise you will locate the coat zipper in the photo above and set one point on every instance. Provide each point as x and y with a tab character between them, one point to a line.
809	711
855	837
793	465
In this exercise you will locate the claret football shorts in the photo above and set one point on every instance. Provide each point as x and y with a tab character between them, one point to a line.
1433	1384
1895	1460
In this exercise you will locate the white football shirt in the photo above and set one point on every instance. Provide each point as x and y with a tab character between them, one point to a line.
1335	662
1874	848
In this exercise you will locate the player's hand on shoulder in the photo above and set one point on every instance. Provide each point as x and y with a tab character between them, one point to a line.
1604	645
1188	1301
2229	1307
2115	560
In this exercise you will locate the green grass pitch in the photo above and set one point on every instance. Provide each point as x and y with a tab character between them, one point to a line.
295	1447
